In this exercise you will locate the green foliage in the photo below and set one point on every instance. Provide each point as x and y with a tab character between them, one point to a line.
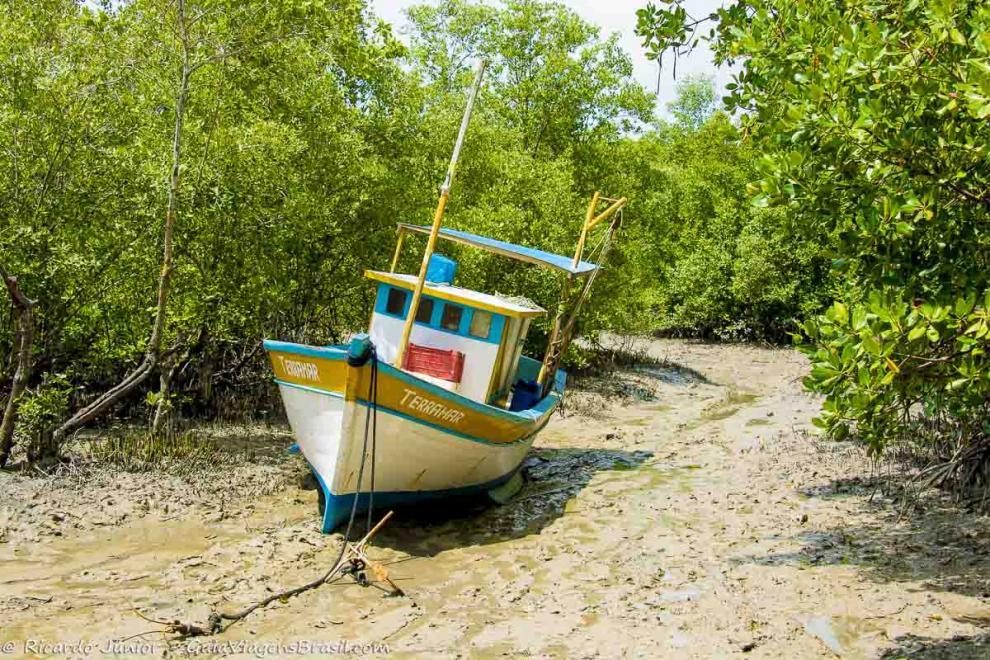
285	187
695	101
309	132
40	410
897	368
871	122
551	77
704	259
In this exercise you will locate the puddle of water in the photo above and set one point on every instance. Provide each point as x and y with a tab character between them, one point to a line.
719	413
841	634
730	404
740	397
821	627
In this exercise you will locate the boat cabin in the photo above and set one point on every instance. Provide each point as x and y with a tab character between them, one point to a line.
462	340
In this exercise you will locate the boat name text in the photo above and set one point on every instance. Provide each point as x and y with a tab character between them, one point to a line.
432	408
304	370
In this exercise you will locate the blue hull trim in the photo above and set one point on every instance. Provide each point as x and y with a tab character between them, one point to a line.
416	420
337	508
518	416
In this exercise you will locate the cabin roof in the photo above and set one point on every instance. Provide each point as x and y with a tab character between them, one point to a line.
520	252
466	297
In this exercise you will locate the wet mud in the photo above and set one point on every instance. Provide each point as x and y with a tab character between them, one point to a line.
675	511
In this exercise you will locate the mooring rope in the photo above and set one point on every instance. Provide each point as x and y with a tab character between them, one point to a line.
370	425
373	410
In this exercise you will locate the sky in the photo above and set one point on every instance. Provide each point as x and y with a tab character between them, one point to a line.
612	16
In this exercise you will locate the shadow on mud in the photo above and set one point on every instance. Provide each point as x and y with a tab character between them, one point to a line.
976	647
936	542
552	477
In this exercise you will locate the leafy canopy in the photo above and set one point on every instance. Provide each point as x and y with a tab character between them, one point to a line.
871	117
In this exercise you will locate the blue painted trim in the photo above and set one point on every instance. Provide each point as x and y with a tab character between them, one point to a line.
335	352
465	312
338	507
435	313
494	331
308	388
463	329
381	301
423	422
329	512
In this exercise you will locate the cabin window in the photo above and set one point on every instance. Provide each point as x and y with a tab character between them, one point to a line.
481	324
451	319
395	304
425	311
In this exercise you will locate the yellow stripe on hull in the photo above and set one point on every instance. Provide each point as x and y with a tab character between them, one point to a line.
404	395
309	371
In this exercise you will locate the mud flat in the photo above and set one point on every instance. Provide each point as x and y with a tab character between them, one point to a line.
684	511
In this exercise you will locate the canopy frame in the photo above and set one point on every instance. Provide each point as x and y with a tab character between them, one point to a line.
572	267
571	298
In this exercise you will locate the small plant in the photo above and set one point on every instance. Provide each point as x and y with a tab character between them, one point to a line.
140	450
40	411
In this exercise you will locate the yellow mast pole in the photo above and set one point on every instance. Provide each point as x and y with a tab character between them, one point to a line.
398	251
560	335
565	291
589	217
438	218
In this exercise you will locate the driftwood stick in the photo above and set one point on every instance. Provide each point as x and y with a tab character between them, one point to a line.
216	620
176	627
346	554
374	530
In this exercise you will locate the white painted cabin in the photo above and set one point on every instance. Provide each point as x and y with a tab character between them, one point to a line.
488	330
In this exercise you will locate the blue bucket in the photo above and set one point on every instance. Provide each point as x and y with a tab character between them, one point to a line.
525	395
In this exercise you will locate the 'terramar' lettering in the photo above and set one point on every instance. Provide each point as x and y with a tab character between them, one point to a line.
431	408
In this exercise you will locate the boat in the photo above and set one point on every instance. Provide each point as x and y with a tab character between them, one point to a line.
436	400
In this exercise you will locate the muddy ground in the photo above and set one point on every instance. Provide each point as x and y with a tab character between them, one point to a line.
672	511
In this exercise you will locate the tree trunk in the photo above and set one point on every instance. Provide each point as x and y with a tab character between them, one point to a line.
25	336
163	408
153	351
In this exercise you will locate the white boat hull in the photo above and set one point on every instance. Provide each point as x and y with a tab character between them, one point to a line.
427	443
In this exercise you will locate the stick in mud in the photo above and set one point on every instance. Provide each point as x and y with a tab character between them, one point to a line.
348	553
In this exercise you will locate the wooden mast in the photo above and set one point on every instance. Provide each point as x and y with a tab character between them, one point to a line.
437	219
560	335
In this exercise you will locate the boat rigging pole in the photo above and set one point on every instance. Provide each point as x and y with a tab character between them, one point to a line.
568	310
438	218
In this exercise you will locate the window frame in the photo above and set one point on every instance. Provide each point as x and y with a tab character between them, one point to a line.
488	329
426	303
402	306
460	317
